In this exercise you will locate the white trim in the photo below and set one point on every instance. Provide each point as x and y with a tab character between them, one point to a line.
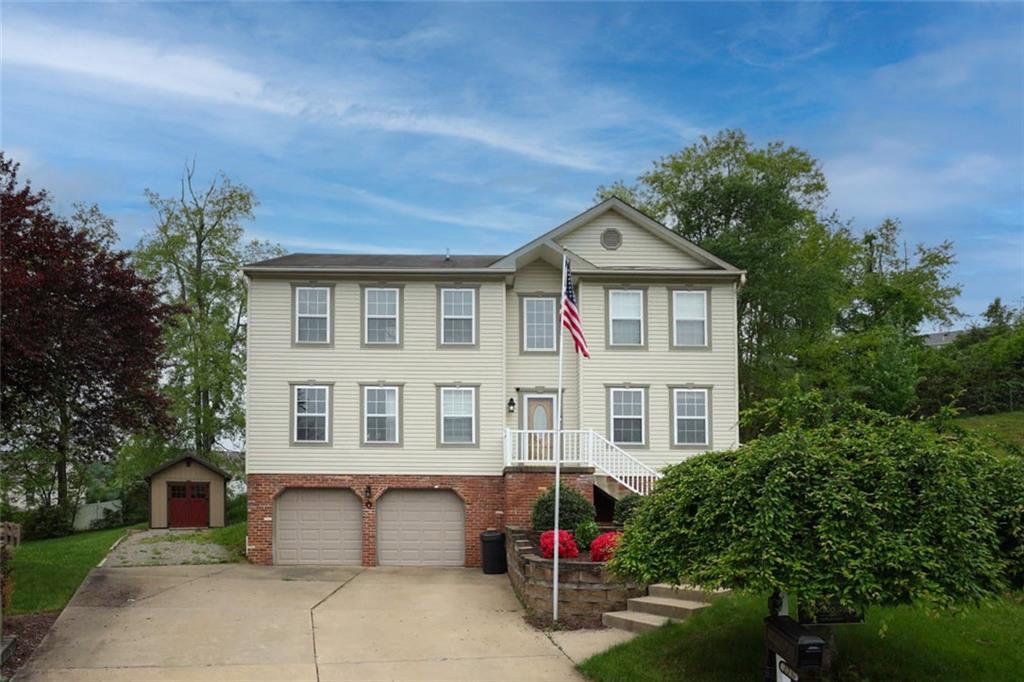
643	414
326	316
472	405
554	324
396	317
676	416
325	414
367	415
471	317
676	318
611	318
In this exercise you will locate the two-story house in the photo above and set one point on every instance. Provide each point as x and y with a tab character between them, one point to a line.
398	405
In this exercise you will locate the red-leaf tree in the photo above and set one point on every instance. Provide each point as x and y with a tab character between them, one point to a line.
80	336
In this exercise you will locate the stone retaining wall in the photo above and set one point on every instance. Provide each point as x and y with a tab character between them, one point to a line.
585	589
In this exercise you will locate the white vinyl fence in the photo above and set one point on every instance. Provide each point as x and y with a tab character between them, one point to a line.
93	511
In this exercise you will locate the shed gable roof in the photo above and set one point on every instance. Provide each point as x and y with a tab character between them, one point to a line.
178	460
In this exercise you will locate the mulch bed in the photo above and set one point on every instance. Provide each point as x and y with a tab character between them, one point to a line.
30	630
544	622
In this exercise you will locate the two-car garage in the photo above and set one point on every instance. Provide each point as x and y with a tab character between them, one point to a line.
325	526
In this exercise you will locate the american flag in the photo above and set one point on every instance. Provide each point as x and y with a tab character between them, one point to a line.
571	314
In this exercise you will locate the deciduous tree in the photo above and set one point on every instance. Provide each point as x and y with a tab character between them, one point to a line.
80	332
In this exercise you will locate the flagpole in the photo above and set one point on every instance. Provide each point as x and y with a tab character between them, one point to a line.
558	450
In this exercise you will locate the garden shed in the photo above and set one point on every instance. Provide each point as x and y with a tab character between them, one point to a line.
187	492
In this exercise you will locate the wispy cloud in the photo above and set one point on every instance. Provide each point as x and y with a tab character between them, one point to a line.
293	242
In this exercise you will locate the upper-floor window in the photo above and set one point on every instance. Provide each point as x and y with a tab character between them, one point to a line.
628	415
312	314
626	317
540	331
458	316
690	318
311	418
380	409
458	415
690	410
382	317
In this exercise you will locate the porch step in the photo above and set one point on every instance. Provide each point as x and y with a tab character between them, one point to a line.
676	609
633	621
688	592
610	486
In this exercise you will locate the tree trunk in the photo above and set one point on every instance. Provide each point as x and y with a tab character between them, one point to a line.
63	441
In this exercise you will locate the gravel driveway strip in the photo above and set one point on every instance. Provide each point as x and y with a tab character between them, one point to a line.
161	547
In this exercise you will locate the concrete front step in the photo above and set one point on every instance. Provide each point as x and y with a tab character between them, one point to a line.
687	592
676	609
633	621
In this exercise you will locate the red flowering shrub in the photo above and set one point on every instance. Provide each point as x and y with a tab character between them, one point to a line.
566	544
603	545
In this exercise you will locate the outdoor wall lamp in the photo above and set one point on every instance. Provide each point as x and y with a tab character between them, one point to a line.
368	496
511	404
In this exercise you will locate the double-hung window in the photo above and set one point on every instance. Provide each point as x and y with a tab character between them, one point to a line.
380	409
690	410
311	418
690	318
540	329
382	317
458	317
628	416
312	315
458	415
626	317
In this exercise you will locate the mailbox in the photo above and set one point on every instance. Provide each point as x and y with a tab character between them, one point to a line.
794	643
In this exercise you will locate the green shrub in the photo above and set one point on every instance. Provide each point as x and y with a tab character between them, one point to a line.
882	510
238	510
1008	479
585	534
625	508
573	509
135	504
45	522
112	518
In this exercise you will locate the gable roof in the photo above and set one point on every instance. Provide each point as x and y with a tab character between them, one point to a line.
177	460
544	246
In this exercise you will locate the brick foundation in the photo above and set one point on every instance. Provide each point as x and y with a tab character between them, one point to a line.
490	501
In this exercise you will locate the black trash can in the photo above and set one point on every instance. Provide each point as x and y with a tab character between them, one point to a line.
492	549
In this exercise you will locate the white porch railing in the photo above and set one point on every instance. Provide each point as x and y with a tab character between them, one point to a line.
579	448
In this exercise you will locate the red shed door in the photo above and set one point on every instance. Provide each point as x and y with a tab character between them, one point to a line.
188	504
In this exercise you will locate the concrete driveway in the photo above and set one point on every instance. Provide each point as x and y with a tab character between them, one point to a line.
241	622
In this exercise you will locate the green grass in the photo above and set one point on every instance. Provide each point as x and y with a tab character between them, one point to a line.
725	642
1006	427
47	572
230	537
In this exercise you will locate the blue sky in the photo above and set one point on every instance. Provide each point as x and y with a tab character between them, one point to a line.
416	128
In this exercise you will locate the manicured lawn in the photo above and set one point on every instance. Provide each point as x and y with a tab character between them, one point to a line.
1005	427
47	572
725	642
230	537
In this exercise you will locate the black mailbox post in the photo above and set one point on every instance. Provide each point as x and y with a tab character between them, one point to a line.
792	650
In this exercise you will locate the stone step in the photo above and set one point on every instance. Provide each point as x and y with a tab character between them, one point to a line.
687	592
676	609
632	621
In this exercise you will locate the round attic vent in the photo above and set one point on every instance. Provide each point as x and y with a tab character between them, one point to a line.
611	239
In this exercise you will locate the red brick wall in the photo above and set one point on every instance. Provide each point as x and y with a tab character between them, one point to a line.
490	501
523	487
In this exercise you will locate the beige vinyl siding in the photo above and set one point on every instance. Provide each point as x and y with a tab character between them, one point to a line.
659	368
418	367
639	247
531	372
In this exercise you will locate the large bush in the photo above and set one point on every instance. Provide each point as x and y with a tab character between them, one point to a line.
868	510
573	510
625	507
46	522
1008	479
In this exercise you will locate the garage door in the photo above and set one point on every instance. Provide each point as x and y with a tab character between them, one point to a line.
421	528
318	526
